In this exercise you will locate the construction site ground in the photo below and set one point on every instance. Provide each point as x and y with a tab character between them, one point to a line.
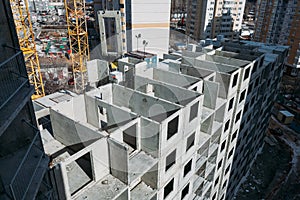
276	172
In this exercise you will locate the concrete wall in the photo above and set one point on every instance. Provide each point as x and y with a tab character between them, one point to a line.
164	91
142	104
104	93
174	78
151	177
171	57
118	159
141	69
150	136
174	67
99	163
224	80
117	134
70	132
211	91
97	70
74	109
114	115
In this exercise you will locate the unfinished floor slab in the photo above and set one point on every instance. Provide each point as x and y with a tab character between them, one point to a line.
107	189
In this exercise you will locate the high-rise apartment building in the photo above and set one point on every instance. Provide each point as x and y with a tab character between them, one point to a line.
278	23
23	162
183	128
209	18
141	20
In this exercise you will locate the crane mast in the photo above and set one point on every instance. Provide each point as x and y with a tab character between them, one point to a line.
78	39
21	15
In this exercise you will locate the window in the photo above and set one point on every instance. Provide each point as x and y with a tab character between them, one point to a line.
233	135
220	164
170	160
172	127
185	191
214	197
242	97
227	125
230	153
101	110
216	181
223	145
247	73
194	111
87	168
223	197
168	188
227	169
235	78
224	184
187	168
190	141
230	104
238	116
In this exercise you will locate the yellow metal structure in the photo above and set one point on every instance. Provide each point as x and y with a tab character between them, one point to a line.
78	38
25	33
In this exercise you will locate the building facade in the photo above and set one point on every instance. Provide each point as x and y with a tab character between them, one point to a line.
175	129
209	18
258	98
278	23
23	162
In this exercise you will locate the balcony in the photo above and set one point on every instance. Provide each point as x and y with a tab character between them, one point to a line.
14	87
22	171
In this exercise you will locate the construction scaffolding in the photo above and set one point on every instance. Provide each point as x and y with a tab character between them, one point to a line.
78	38
26	38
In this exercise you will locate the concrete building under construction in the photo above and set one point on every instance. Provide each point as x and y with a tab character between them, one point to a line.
175	129
186	127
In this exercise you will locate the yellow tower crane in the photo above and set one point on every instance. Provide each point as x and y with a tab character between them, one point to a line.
25	33
78	38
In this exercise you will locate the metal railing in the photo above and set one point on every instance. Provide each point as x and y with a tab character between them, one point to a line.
26	171
13	77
